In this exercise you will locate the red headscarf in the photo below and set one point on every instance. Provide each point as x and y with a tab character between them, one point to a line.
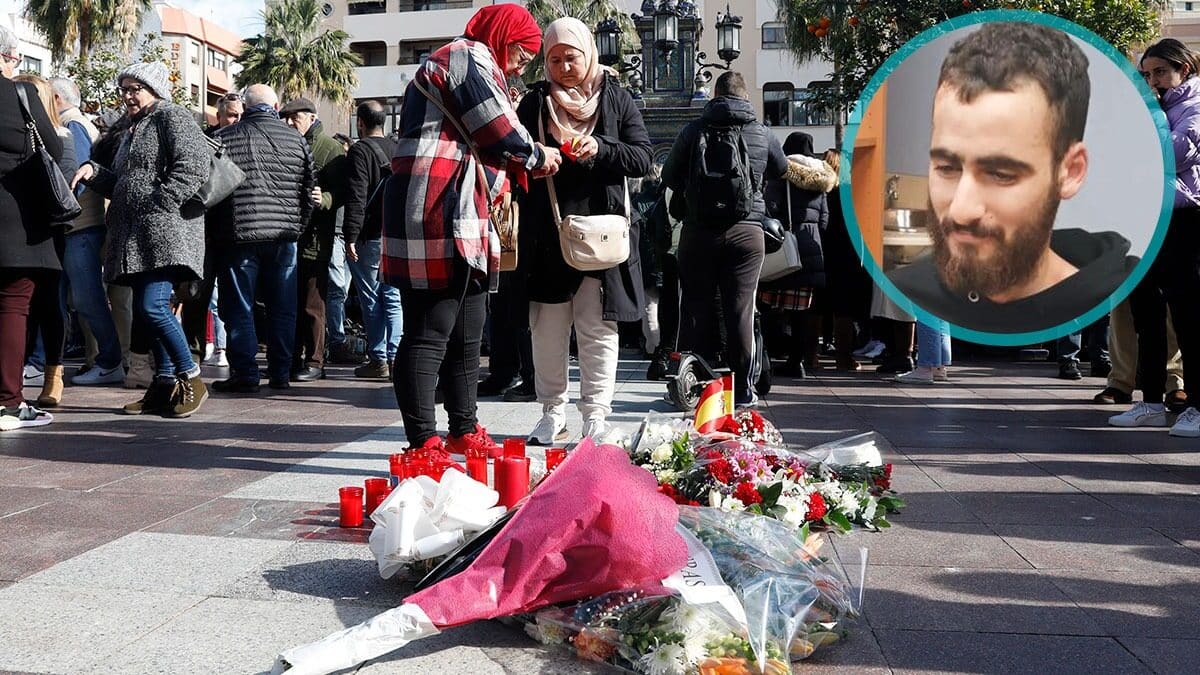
499	26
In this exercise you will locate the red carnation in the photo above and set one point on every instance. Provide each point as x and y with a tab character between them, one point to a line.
721	470
885	483
667	490
747	494
711	454
816	507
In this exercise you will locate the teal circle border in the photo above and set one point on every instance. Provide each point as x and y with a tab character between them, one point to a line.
874	268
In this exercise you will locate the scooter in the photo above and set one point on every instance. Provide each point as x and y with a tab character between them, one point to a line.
689	373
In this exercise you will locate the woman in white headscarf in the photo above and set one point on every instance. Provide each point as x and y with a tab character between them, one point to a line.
582	104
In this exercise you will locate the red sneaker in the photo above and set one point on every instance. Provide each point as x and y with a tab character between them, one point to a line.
434	451
476	439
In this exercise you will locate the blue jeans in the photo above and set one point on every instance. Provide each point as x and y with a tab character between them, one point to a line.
933	345
335	295
152	309
1070	346
243	267
381	311
83	283
218	325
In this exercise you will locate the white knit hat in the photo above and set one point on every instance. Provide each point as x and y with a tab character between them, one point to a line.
154	75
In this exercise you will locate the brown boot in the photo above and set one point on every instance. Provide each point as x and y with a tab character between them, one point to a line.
52	388
156	400
190	394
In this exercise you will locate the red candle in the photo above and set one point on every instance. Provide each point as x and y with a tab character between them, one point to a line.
373	487
477	464
436	469
377	499
512	480
351	506
418	467
514	447
554	457
397	470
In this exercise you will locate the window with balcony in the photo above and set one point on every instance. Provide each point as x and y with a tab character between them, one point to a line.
430	5
371	53
415	53
774	36
31	65
216	59
366	7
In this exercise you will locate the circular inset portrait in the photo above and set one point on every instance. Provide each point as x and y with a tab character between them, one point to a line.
1010	174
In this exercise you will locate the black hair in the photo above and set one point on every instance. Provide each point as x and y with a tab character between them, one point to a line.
371	114
1175	53
1004	55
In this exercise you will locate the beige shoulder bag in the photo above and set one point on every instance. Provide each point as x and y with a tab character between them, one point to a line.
589	243
504	213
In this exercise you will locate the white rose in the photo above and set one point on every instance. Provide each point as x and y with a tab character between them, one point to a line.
661	454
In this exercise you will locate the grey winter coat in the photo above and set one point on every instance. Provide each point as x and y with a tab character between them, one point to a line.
161	164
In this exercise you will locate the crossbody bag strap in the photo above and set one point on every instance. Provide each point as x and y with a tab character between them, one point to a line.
550	179
463	132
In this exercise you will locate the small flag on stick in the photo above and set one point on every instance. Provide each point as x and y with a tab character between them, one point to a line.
716	405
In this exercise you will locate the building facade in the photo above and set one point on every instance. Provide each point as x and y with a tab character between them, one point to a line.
35	55
202	51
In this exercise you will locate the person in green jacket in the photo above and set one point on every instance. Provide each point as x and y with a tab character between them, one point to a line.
316	244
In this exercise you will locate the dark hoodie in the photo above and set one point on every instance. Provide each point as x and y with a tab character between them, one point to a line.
1103	262
766	154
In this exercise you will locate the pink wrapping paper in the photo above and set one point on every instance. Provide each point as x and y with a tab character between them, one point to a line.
596	524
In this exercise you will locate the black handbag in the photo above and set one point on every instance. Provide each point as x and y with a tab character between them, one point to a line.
223	178
48	181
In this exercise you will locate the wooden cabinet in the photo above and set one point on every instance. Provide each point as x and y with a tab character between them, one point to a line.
868	173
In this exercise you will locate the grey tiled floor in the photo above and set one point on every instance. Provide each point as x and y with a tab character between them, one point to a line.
1036	538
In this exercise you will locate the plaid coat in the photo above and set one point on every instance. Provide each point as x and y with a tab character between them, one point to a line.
435	208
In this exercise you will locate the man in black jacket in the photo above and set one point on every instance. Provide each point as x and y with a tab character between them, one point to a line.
368	164
724	256
265	217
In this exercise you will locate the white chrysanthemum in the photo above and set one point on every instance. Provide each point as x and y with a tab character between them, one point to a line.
667	659
694	650
732	504
795	509
666	476
661	454
849	504
869	510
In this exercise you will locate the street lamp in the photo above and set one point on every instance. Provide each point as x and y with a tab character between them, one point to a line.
666	26
608	46
729	47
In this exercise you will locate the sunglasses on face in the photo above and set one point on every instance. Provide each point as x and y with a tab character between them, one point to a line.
232	96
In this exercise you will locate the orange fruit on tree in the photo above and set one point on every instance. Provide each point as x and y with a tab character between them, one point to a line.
826	21
853	21
812	27
821	32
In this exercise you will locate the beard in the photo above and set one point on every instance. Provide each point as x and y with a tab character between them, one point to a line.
1012	263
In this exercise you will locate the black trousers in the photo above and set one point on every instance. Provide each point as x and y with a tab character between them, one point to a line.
510	339
728	261
1172	281
668	303
442	333
195	314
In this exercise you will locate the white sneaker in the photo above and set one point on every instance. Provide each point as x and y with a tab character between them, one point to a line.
23	417
940	374
217	358
34	377
1187	424
1142	414
97	375
919	375
549	429
871	349
596	428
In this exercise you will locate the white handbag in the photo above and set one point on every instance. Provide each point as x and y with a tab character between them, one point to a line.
786	260
589	243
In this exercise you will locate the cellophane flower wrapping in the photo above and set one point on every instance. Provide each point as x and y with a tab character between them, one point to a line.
745	466
753	598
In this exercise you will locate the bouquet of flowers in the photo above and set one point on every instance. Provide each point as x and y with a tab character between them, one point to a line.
752	598
744	467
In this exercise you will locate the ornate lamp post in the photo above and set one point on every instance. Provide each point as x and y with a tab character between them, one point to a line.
729	47
608	44
666	26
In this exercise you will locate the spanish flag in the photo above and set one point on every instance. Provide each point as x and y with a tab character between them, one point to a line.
716	405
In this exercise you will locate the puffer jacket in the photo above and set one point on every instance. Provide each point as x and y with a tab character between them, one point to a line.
767	160
1182	105
275	201
160	164
807	180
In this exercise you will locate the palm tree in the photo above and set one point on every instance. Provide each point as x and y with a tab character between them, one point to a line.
296	56
65	22
590	12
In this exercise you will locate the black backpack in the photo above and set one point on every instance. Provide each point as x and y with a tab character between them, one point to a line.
721	189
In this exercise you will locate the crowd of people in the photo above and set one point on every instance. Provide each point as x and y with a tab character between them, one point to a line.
159	285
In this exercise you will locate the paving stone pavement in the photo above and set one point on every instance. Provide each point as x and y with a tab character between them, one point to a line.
1036	539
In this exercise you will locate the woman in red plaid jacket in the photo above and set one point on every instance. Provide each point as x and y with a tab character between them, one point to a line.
440	249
